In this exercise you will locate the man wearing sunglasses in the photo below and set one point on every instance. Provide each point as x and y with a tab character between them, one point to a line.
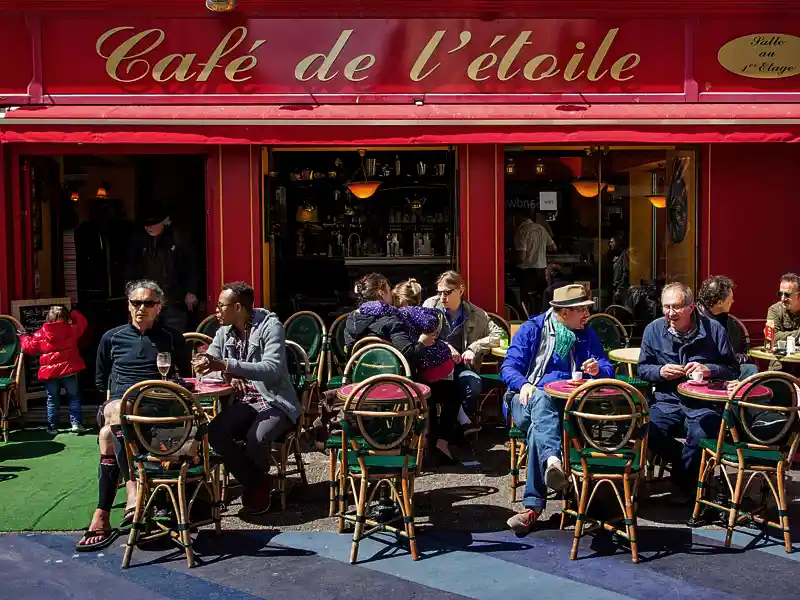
785	313
127	355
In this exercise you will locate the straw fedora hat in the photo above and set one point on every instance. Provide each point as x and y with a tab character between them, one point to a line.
570	296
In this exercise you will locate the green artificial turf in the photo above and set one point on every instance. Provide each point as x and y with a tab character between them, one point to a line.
49	483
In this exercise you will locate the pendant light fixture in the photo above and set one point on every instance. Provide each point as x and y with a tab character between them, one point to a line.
221	5
588	187
102	191
366	188
656	198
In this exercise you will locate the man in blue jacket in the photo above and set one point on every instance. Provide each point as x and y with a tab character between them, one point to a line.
673	347
548	347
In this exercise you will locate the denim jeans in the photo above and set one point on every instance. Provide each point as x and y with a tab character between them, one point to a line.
53	387
540	419
668	421
470	387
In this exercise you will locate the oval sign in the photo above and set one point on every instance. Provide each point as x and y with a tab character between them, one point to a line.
762	55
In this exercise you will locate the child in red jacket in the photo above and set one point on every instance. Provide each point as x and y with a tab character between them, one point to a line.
56	344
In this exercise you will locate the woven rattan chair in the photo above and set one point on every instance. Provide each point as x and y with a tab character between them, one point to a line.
598	452
368	361
745	447
208	326
336	353
367	341
10	371
300	372
166	440
308	329
382	440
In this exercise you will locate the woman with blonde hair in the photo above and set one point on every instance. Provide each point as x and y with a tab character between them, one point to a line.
471	334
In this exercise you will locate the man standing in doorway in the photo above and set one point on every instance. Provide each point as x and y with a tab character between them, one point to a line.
785	314
531	242
163	254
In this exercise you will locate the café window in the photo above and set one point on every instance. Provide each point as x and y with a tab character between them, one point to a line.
334	215
622	221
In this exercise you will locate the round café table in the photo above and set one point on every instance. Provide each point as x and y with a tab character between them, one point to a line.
563	389
209	392
717	393
762	353
628	356
500	351
386	392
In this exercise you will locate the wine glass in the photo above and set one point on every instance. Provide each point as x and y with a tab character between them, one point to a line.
164	362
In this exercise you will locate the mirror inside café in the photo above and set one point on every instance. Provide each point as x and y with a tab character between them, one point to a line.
619	220
334	215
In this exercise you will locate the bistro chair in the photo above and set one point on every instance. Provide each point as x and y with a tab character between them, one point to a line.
490	369
166	440
511	313
368	361
208	326
300	372
603	446
740	337
368	341
380	447
308	329
336	353
758	438
10	371
611	332
623	315
518	456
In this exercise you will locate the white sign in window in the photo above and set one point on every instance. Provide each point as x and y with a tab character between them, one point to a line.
548	200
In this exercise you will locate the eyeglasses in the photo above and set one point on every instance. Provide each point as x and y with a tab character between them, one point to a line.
444	293
146	303
786	295
674	307
220	305
580	309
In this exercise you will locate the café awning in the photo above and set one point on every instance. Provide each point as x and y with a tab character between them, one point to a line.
404	124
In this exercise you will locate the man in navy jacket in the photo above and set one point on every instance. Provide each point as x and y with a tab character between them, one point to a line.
548	347
673	347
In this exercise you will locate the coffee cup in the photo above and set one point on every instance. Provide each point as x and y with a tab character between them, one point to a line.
696	376
577	376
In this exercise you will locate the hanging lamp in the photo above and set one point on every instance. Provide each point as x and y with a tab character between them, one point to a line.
366	188
656	198
588	187
221	5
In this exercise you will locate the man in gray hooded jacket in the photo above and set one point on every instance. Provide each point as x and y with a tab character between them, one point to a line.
249	350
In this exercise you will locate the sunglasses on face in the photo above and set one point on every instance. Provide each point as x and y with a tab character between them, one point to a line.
444	293
146	303
786	295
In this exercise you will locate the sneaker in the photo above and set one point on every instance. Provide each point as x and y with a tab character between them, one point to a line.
554	476
51	430
522	523
78	429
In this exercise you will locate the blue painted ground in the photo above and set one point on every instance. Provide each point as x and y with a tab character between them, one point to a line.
677	564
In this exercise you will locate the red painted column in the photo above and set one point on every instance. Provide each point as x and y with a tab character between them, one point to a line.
481	196
6	250
233	222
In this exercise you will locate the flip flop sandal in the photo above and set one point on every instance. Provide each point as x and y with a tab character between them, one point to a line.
110	535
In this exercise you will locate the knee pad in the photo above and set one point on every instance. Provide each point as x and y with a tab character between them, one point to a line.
107	479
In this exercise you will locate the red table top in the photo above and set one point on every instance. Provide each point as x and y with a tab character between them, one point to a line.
210	389
703	392
385	391
565	387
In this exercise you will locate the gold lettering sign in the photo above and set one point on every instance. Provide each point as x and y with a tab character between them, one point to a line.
762	55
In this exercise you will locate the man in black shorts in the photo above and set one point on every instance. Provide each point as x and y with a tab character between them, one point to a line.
126	356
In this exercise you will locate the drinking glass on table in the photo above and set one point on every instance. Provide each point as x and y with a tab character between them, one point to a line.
164	362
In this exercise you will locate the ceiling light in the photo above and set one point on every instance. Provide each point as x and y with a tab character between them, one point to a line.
588	188
657	199
539	168
102	191
363	189
74	196
221	5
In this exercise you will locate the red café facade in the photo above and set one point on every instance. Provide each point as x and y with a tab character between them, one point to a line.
170	77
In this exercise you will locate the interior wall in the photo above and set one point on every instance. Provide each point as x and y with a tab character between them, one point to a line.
749	230
641	226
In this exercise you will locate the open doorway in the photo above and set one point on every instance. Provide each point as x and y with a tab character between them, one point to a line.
83	237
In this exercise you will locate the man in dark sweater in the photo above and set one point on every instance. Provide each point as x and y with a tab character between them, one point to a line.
126	356
673	347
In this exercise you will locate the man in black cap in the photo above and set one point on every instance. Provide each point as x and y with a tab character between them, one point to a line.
164	254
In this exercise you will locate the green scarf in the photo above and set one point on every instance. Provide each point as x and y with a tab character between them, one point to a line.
565	339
